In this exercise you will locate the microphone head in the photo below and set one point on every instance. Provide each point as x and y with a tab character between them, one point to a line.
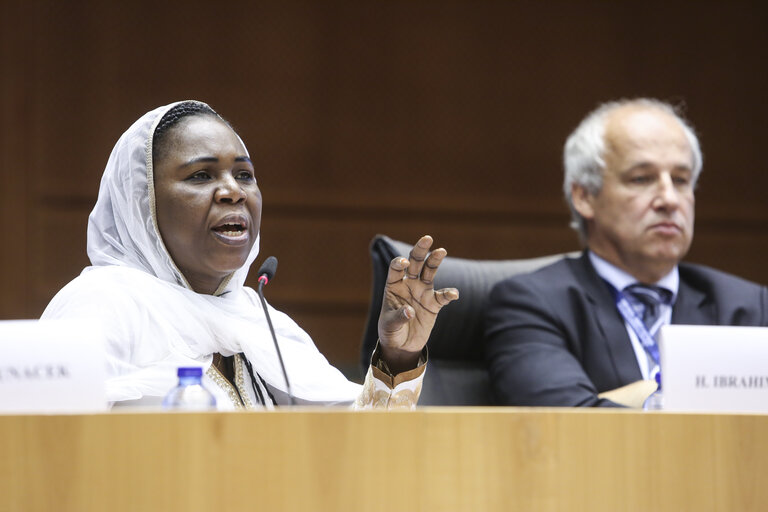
268	268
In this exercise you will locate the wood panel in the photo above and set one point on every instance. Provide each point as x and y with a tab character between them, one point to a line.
431	459
364	118
15	68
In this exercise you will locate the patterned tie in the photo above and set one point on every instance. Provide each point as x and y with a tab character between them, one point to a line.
647	302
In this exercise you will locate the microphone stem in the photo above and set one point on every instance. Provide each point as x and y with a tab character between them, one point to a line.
274	339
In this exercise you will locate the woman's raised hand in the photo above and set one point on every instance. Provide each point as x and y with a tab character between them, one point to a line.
410	305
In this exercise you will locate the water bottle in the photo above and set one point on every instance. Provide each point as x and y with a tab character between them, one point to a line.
655	402
189	394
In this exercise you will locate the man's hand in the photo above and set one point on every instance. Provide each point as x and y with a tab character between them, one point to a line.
631	395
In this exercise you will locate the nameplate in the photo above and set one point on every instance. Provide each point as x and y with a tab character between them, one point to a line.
51	366
714	368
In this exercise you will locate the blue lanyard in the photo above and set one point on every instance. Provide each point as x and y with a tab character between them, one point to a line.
636	323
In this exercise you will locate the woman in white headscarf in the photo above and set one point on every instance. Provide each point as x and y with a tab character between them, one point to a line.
171	238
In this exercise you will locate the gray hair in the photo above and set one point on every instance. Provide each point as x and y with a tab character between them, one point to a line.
585	147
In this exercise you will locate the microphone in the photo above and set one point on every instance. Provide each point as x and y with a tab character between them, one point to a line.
267	273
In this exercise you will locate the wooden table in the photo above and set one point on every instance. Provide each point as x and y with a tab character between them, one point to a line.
437	459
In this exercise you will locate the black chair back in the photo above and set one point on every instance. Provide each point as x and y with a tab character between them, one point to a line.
456	374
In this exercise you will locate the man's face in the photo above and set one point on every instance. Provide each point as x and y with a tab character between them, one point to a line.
642	218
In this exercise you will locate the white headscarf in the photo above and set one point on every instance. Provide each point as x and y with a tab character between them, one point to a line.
153	322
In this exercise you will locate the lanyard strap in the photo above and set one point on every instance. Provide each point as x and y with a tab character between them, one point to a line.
645	336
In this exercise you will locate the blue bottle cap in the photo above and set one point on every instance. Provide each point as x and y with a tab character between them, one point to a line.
191	371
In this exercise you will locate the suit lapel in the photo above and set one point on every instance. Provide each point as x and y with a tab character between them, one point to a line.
691	307
608	319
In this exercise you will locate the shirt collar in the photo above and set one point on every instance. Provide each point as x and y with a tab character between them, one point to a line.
620	279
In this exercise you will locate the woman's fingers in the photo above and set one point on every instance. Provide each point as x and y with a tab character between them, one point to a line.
421	265
418	256
431	265
397	269
446	296
393	319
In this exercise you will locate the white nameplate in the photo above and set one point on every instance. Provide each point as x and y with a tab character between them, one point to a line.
714	368
51	366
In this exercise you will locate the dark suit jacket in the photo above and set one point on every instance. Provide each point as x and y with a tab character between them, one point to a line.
555	338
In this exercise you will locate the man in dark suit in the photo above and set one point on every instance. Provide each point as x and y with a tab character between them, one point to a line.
581	332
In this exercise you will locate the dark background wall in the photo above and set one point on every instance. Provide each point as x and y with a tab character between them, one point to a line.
401	118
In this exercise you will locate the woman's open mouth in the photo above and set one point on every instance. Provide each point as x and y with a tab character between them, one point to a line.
232	230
